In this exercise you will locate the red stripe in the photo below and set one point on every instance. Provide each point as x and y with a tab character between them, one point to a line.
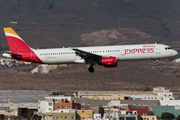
18	46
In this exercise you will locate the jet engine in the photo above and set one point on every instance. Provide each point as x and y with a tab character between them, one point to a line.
108	62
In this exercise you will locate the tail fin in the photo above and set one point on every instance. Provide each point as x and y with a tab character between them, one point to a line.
16	44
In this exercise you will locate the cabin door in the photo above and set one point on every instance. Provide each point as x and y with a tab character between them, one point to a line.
157	49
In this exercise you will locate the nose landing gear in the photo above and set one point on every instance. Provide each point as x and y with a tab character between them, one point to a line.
158	66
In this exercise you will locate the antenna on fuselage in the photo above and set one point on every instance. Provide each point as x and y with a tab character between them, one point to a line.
70	47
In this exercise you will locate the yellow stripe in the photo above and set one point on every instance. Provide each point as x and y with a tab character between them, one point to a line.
10	30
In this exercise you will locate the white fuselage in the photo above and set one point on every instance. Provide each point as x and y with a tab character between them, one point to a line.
121	52
101	55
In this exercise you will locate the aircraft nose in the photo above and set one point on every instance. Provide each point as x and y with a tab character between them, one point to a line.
175	52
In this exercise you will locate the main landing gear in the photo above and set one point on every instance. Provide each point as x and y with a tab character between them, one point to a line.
158	66
91	69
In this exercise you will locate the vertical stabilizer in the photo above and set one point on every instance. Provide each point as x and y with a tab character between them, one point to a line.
15	42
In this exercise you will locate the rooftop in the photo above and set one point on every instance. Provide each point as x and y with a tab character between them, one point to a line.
22	96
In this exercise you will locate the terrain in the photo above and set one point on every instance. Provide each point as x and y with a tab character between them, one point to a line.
65	21
127	76
58	23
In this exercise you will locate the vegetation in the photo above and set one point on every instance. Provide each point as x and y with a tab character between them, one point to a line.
178	117
1	117
147	89
37	117
150	113
25	116
31	115
167	116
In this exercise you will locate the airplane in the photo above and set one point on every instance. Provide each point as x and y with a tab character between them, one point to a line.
107	56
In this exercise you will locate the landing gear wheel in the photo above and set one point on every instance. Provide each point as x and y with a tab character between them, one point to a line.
158	66
91	69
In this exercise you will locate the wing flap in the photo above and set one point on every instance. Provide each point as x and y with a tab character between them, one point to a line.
87	55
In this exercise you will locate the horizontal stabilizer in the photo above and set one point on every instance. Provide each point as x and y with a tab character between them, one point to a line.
9	55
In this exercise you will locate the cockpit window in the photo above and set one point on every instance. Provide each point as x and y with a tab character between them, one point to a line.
168	48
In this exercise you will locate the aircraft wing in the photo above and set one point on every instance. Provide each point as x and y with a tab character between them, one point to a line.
87	55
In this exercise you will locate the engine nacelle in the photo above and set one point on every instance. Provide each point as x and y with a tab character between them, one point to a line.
108	62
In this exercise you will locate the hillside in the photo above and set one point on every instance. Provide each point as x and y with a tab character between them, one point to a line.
57	23
127	76
110	37
64	21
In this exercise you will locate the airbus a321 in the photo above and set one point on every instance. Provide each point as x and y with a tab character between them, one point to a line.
107	56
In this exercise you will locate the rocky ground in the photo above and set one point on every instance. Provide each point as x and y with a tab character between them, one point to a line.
113	37
127	76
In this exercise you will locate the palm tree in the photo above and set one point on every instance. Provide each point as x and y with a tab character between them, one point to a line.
31	115
37	117
178	117
1	117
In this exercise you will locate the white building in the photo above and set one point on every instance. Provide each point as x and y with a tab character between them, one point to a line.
61	97
164	96
97	116
116	103
11	109
64	111
168	100
41	69
177	60
159	89
145	97
47	105
159	93
116	113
